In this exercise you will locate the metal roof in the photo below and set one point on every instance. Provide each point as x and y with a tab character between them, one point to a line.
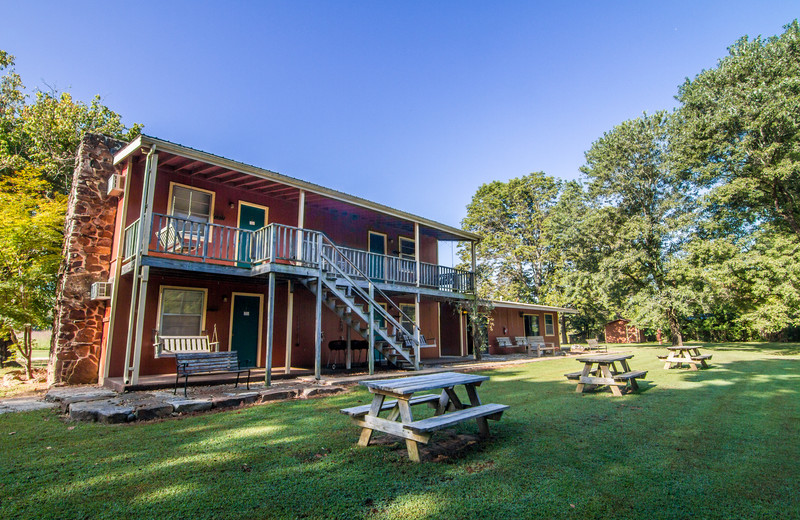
445	232
531	307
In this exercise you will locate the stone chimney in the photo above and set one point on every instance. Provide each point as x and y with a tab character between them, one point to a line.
88	238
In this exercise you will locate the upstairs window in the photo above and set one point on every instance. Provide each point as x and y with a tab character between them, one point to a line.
182	311
408	248
191	203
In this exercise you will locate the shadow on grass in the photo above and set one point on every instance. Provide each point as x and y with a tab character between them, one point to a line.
687	444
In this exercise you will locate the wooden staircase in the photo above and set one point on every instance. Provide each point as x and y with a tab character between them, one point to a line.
353	310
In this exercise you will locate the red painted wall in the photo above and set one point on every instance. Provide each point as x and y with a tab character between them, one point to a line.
508	323
343	229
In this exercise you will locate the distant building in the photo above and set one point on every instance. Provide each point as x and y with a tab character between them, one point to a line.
619	331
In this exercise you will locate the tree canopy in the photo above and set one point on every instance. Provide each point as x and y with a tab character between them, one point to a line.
38	144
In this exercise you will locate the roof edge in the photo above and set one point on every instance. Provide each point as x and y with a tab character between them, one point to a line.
530	306
167	146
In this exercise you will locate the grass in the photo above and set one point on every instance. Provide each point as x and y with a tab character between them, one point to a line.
719	443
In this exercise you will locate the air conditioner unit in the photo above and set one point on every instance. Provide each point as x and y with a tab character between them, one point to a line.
102	290
116	185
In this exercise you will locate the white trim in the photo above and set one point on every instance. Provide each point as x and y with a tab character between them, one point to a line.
189	153
252	205
369	241
239	221
213	194
182	288
439	327
531	307
260	322
553	317
400	254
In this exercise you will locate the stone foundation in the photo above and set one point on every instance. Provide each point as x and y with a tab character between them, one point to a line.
88	239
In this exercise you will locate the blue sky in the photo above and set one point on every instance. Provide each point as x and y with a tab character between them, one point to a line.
412	104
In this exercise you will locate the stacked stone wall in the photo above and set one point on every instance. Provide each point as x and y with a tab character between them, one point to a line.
88	238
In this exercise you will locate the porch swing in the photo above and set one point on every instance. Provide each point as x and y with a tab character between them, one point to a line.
168	346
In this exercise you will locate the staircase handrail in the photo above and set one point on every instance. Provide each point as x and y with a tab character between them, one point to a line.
364	296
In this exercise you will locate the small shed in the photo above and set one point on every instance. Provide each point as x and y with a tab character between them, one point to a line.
621	331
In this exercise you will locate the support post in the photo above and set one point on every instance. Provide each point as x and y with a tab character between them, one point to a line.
349	360
318	320
120	231
416	253
371	329
416	332
270	327
289	320
301	222
474	266
148	186
137	349
461	333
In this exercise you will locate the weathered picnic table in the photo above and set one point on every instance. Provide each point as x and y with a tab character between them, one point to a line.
691	355
601	369
400	421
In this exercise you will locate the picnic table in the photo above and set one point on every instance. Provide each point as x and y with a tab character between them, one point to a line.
688	354
400	421
601	369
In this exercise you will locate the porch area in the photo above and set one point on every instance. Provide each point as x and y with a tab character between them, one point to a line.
182	242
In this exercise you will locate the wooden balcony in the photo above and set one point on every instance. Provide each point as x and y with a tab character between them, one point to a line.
185	240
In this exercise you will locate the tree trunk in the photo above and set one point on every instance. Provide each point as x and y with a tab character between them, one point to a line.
27	350
564	339
674	327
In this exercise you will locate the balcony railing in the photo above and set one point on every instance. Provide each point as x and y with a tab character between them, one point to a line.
277	243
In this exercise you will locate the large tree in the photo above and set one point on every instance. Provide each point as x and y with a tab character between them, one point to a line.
515	256
740	132
642	212
38	143
45	134
31	232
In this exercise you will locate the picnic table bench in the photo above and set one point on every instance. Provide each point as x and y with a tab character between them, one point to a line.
685	354
400	422
205	363
601	369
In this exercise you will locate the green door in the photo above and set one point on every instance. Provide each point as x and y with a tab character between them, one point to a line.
377	248
244	326
251	218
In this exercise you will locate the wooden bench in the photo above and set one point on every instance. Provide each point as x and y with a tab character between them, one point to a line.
573	375
504	343
205	363
521	341
630	375
437	422
538	343
359	411
701	357
594	344
171	345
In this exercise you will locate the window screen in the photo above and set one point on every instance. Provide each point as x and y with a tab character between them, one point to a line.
191	204
182	312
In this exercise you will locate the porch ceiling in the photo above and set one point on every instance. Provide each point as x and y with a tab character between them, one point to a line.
194	163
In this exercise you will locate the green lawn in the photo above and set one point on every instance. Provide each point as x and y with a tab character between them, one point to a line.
719	443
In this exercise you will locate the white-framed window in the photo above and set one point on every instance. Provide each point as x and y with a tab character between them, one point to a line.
194	204
182	311
408	248
409	310
549	325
